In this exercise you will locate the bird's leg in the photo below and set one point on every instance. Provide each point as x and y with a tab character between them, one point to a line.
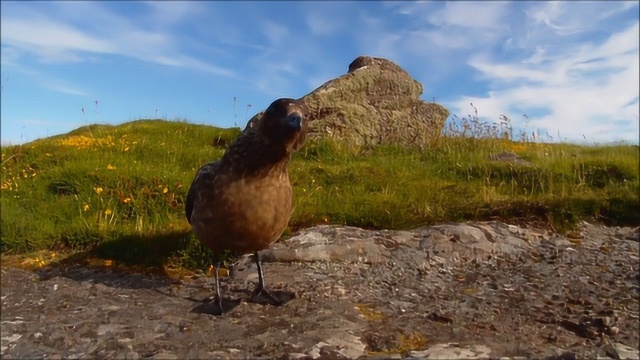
260	294
216	305
213	305
218	297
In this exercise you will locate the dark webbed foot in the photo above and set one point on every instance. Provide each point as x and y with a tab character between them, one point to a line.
275	298
216	306
263	297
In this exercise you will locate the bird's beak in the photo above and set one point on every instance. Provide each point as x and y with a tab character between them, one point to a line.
294	120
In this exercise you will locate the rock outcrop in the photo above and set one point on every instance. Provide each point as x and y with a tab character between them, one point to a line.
510	157
376	102
448	291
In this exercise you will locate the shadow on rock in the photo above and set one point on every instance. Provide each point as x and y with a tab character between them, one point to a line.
210	307
134	261
274	297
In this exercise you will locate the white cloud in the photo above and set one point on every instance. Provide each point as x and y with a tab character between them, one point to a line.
621	43
434	38
508	72
537	58
549	60
64	87
570	66
584	89
566	18
44	80
291	57
374	37
568	22
475	15
322	25
275	33
98	31
455	25
166	13
332	18
51	41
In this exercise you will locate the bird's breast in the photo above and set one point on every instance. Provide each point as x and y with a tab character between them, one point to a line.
263	203
244	214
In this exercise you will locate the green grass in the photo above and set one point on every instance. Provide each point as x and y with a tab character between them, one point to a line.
118	192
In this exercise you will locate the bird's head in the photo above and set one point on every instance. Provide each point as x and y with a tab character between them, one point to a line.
285	122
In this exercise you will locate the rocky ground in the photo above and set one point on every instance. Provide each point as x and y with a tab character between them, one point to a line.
476	290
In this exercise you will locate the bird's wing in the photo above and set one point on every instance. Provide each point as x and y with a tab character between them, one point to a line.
204	177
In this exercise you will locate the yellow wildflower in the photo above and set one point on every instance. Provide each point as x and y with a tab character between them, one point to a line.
79	141
222	272
107	212
86	207
98	190
6	185
518	147
111	167
127	200
164	191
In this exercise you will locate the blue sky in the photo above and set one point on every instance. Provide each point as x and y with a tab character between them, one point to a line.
571	67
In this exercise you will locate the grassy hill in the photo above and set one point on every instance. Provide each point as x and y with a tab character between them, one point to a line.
117	192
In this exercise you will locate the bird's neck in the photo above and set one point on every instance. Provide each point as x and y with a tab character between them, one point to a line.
255	155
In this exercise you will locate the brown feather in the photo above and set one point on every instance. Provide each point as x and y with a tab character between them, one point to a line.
244	201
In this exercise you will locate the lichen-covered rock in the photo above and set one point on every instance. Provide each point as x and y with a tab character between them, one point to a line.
443	242
509	157
376	102
466	291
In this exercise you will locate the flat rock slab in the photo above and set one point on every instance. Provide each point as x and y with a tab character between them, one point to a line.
467	291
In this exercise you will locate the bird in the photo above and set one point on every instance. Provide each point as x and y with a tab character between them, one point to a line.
243	202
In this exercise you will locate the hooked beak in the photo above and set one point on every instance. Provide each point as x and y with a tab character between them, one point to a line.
294	120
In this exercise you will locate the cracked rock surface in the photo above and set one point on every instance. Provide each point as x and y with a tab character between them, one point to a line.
468	291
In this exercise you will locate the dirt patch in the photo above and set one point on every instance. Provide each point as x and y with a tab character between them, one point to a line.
447	291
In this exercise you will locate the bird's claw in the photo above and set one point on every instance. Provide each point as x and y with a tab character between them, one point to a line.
215	306
263	297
